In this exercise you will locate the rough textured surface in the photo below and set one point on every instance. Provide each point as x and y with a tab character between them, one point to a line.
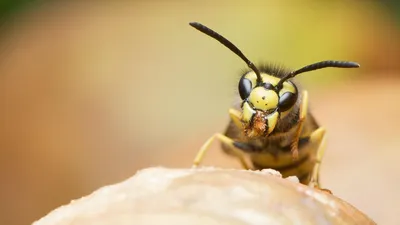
206	196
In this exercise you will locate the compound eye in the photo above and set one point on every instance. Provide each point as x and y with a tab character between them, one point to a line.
287	100
245	87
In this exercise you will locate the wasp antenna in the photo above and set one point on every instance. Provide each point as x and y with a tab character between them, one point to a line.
227	44
324	64
318	65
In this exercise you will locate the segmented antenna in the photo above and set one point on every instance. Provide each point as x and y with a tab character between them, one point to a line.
316	66
227	44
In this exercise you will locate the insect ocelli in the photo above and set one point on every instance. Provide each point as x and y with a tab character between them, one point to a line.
272	126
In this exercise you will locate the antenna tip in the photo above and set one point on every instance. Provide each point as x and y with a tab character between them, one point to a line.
354	64
194	24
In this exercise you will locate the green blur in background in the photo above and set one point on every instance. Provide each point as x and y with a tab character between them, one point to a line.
92	92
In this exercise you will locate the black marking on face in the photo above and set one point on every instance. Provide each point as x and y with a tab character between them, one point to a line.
269	86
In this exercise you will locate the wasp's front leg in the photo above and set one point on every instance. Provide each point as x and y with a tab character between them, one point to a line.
225	140
302	117
235	116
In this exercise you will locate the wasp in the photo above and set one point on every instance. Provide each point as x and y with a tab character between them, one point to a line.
272	126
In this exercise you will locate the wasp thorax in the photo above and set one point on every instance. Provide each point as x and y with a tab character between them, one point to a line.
263	99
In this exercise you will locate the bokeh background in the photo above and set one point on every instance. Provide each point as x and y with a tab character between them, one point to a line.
92	92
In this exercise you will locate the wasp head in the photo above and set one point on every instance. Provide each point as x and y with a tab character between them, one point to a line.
263	101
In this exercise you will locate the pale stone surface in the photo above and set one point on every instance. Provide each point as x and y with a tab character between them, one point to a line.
205	196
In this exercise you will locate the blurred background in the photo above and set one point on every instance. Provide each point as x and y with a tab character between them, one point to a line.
92	92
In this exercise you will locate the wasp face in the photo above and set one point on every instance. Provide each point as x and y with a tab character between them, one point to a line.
263	103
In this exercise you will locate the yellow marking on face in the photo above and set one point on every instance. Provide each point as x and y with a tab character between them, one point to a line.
265	77
270	79
263	99
248	113
287	86
272	121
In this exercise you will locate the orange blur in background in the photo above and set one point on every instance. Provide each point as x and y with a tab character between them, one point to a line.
90	93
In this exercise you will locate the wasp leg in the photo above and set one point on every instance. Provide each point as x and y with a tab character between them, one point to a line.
318	137
224	139
302	117
235	116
